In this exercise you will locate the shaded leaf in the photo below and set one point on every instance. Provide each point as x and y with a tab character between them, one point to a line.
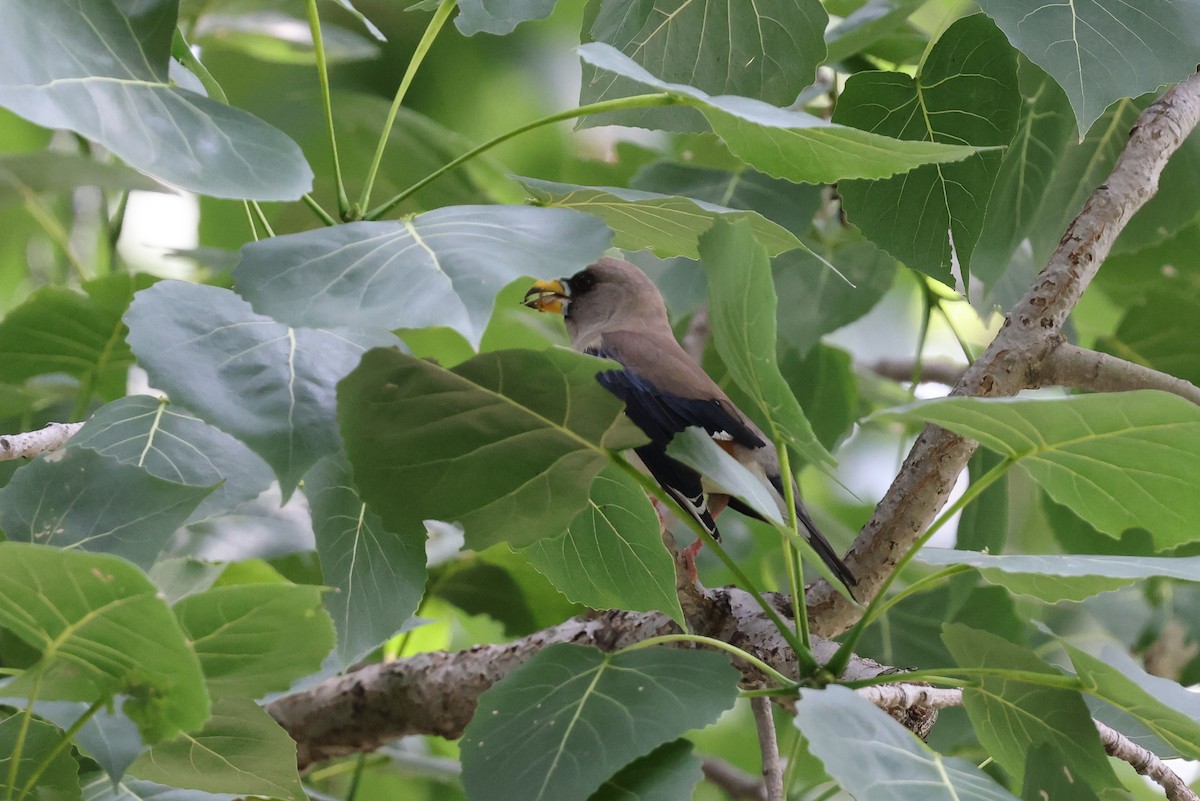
59	330
1143	338
570	717
826	388
668	773
480	16
787	144
696	449
94	68
170	443
82	611
101	789
964	94
983	525
424	441
1012	716
1103	50
768	50
1161	705
872	756
60	779
269	385
377	575
265	527
279	37
611	556
25	174
665	225
253	639
87	500
109	737
1048	778
241	749
742	307
866	25
443	267
1119	460
480	588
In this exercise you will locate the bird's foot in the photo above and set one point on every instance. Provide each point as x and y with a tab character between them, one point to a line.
689	559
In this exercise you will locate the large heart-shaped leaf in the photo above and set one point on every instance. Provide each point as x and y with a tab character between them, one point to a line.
443	267
1119	460
87	500
425	442
665	225
253	639
570	717
1103	50
1012	716
169	443
872	756
782	143
768	50
612	556
100	69
269	385
377	574
241	749
82	611
741	308
964	94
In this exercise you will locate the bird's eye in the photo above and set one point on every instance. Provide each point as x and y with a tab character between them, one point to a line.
582	282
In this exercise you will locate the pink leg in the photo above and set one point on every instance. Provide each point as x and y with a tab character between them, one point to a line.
689	559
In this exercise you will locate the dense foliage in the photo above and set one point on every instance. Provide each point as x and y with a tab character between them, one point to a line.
327	433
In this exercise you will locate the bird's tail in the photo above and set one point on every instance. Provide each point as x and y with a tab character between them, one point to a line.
824	549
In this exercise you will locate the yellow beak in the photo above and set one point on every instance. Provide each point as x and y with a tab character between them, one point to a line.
548	296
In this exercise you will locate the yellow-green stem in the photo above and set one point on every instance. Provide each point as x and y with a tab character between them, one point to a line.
637	101
314	25
23	732
965	676
913	589
322	215
250	219
795	560
262	218
842	658
714	643
431	31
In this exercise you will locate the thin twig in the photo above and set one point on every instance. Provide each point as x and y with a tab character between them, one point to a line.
947	373
30	443
768	745
737	783
1071	366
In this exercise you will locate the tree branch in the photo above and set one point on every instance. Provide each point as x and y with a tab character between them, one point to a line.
437	693
736	783
768	746
30	443
939	372
1071	366
1147	763
1013	362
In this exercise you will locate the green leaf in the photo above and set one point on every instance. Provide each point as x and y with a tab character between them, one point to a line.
87	500
59	330
480	16
612	556
1168	267
697	449
872	756
562	723
82	611
866	25
108	737
240	750
787	144
443	267
269	385
964	94
253	639
26	174
1119	460
59	781
1067	577
814	301
742	308
93	69
826	388
668	773
768	50
1011	716
1104	50
169	443
983	525
1142	337
665	225
377	574
791	205
425	441
1025	171
279	37
1046	779
101	788
1163	706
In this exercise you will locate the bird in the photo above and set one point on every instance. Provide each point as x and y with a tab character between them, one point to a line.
613	310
